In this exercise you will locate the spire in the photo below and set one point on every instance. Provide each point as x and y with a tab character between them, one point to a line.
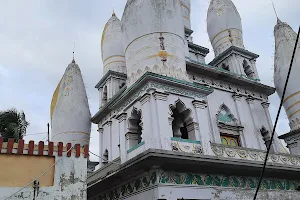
113	13
224	26
73	60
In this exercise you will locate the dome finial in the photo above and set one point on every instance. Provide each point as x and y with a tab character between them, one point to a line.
275	10
113	14
73	61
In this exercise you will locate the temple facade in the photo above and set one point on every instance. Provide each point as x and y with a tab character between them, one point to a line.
172	126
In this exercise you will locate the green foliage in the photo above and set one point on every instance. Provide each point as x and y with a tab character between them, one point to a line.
13	124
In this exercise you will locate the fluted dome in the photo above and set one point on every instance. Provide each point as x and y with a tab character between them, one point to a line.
285	39
70	113
186	13
111	46
224	25
153	38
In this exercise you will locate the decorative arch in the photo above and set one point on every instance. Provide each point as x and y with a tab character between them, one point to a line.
135	127
229	127
182	121
248	70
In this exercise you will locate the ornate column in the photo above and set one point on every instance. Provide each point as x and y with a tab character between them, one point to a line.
149	134
109	89
122	131
257	133
204	131
266	105
100	130
109	123
238	105
161	119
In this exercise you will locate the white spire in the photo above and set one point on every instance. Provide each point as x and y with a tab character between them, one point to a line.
111	46
224	25
70	113
285	39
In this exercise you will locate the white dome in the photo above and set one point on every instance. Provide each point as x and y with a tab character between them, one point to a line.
148	27
113	56
186	13
285	39
70	113
224	25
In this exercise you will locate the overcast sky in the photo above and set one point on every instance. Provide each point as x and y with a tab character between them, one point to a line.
36	44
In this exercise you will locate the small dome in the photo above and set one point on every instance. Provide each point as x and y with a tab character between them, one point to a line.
224	25
285	39
111	46
70	113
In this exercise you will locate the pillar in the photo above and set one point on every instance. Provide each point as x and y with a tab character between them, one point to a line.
150	134
204	131
110	150
100	130
239	107
276	144
122	131
257	133
161	119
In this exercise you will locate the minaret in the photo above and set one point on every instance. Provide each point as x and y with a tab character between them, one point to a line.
153	39
70	113
285	40
111	46
224	26
186	13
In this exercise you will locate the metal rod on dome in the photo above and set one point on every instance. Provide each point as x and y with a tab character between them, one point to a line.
274	8
277	117
48	132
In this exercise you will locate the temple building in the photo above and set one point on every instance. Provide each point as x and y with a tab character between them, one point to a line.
172	126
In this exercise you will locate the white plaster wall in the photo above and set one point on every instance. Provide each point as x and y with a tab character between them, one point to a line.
107	141
69	182
115	139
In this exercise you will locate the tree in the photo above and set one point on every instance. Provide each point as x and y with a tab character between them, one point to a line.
13	124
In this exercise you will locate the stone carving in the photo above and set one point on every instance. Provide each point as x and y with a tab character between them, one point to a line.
136	185
253	154
186	147
225	181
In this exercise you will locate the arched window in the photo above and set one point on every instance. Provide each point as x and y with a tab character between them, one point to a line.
229	127
104	97
182	121
247	69
225	67
135	128
105	157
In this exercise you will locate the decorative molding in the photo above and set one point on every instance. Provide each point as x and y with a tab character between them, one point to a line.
170	120
100	130
222	85
199	104
253	155
209	180
160	96
187	146
131	136
265	104
145	98
250	100
121	117
192	126
237	97
137	185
